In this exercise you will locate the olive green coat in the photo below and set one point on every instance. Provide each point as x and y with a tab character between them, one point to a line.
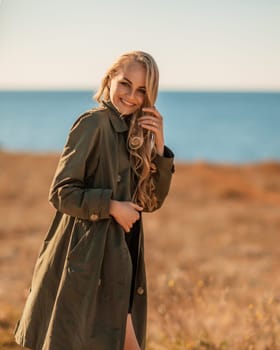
80	288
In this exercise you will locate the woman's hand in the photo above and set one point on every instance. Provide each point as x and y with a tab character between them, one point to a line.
125	213
153	121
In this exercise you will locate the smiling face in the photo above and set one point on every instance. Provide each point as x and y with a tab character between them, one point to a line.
127	87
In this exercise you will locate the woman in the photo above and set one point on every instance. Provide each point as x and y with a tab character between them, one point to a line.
88	290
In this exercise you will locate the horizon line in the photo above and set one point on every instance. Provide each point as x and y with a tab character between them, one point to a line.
163	89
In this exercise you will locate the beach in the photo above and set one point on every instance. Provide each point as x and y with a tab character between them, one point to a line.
212	252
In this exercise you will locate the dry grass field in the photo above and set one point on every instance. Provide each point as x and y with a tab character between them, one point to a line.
212	253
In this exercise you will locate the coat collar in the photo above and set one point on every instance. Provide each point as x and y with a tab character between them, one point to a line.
117	120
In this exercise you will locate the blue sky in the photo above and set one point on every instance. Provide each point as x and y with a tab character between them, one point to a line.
198	44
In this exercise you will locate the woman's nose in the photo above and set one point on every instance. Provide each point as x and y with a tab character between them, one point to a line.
132	94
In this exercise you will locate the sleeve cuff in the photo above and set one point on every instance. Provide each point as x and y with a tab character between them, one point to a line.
166	160
167	152
102	211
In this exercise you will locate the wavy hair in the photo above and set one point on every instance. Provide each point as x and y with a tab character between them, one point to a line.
140	141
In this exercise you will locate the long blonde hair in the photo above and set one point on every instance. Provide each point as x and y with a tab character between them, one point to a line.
140	141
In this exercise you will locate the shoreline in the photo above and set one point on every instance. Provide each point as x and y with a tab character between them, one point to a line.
198	161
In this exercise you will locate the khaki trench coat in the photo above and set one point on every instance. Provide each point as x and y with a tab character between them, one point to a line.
80	288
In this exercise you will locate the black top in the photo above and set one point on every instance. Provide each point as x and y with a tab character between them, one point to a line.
132	238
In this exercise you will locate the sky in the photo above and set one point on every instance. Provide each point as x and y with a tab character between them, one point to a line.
198	44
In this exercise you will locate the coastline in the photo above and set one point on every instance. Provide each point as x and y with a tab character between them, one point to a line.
211	251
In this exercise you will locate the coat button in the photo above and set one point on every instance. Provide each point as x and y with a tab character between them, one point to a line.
99	282
140	290
119	178
70	269
94	217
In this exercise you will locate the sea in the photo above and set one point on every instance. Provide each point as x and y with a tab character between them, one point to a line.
216	127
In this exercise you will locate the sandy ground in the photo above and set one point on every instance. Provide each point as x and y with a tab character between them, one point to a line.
212	252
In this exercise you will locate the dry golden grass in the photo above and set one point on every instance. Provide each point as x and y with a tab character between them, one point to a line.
212	253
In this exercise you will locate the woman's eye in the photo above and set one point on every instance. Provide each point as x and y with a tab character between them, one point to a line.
124	83
142	91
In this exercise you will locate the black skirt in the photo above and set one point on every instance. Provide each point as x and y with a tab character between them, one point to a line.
132	239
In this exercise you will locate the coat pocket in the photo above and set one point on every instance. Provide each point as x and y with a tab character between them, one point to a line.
50	233
81	230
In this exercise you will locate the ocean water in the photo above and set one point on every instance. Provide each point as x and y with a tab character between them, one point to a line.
218	127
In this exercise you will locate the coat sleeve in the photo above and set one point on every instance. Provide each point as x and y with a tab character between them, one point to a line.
68	192
162	177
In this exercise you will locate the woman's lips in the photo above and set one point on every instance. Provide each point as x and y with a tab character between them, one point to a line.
127	103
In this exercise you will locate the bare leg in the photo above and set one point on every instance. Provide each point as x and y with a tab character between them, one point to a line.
131	342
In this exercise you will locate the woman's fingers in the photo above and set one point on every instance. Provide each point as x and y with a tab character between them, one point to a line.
153	111
125	213
136	206
133	217
151	121
151	124
127	228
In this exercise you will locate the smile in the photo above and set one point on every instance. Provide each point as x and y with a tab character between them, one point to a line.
127	103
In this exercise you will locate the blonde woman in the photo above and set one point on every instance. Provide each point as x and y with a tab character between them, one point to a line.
88	290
